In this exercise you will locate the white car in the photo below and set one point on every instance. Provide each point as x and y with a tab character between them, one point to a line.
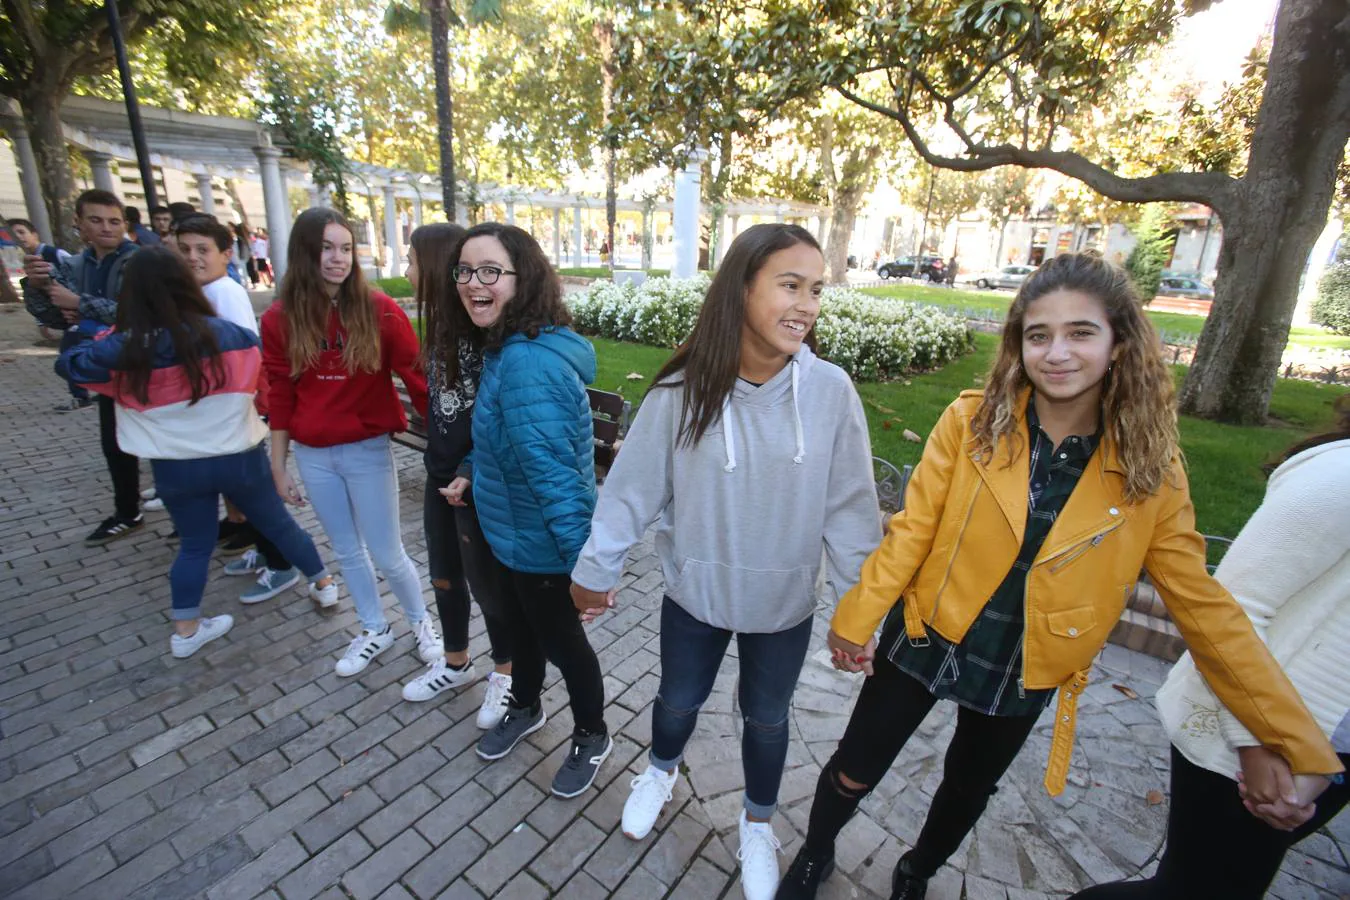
1008	277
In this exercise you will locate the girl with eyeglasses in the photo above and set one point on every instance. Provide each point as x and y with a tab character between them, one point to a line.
331	346
532	471
457	552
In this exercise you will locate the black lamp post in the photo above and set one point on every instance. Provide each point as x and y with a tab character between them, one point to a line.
133	108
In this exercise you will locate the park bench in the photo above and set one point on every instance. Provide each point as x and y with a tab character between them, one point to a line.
609	416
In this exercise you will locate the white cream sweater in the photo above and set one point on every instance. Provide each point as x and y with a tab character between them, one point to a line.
1290	570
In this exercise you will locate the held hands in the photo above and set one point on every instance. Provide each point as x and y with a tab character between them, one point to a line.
286	487
454	492
591	603
850	657
1271	793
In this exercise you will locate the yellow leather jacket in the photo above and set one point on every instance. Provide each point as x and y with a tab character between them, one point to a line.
945	554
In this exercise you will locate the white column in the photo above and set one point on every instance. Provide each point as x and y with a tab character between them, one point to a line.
28	176
735	229
462	214
510	212
391	229
100	167
205	194
557	236
278	208
780	215
576	236
314	196
688	186
417	212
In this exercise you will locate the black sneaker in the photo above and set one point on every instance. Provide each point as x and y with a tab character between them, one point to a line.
239	543
905	886
804	876
114	527
511	730
74	404
582	764
226	530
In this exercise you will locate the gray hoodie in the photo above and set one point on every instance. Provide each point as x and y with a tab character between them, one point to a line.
742	517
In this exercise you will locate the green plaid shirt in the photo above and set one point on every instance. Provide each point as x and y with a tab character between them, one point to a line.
983	671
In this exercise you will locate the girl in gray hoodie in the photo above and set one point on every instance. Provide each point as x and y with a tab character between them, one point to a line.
751	456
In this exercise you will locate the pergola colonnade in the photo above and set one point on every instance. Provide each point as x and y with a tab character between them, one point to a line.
209	147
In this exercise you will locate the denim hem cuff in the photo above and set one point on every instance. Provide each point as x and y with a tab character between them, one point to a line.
760	810
665	765
319	576
180	615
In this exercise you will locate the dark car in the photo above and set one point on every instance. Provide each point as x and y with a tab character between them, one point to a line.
930	268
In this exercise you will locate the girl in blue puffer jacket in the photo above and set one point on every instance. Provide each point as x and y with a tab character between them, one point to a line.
532	471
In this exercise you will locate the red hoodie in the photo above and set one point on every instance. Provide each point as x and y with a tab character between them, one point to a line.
327	404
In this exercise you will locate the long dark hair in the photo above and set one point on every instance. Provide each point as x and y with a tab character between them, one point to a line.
711	358
159	293
538	301
443	317
304	299
1340	431
1138	412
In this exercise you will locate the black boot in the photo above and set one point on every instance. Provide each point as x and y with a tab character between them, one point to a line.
905	885
804	876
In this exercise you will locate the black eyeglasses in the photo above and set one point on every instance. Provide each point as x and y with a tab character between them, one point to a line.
486	274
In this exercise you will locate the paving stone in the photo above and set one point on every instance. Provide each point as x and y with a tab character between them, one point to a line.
99	829
324	869
354	773
131	875
171	740
671	854
507	812
455	812
269	828
338	819
218	820
73	875
385	866
568	853
398	814
446	863
702	880
298	776
411	770
42	830
263	872
507	857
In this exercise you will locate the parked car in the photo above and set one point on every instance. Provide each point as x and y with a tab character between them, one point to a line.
1184	286
1008	277
930	268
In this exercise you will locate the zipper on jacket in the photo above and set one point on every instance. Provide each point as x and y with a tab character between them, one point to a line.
1080	548
946	576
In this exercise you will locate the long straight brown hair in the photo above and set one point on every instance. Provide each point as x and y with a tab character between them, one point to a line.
444	319
160	294
710	360
305	300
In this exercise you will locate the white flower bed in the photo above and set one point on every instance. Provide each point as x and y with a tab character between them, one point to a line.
869	337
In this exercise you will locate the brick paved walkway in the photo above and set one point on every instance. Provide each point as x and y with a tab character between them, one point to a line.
252	770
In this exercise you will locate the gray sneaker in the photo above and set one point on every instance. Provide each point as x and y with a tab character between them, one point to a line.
514	726
582	764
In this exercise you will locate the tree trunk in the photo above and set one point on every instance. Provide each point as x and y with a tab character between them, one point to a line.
998	254
41	106
440	62
1279	208
842	219
604	35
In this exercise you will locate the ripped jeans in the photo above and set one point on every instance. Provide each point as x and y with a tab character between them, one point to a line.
691	654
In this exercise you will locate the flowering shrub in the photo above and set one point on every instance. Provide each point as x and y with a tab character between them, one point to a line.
871	338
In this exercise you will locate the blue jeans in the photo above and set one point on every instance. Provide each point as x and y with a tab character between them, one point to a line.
191	490
354	490
691	653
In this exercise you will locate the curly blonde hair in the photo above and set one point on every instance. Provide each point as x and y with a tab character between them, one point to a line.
1138	397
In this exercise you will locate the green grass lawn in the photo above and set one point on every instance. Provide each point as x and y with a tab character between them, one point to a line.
1223	460
1173	325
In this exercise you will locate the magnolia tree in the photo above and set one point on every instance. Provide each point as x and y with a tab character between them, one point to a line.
1017	83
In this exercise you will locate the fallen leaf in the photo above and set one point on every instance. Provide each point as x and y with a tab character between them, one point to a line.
907	384
1154	797
1127	691
912	437
886	410
635	376
886	424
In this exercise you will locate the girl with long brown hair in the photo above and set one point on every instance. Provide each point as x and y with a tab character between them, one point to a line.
183	382
751	457
1033	510
457	553
331	346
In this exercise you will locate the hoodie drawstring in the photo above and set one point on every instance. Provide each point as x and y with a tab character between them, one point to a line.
797	418
727	441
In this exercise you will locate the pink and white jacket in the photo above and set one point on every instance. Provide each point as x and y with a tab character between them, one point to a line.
170	425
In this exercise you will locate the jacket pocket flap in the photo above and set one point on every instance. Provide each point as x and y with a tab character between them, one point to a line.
1072	623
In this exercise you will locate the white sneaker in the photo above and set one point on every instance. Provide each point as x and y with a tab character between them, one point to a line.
326	597
250	563
429	645
154	504
651	792
437	679
364	647
149	494
208	629
759	859
494	700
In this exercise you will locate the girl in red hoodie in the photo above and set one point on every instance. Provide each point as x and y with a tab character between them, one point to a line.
331	346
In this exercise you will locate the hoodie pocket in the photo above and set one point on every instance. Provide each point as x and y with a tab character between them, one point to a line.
760	597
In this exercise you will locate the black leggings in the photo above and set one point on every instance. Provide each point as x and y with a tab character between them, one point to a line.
1215	848
458	553
544	627
889	709
124	468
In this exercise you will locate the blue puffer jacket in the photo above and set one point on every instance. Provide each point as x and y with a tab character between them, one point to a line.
533	457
